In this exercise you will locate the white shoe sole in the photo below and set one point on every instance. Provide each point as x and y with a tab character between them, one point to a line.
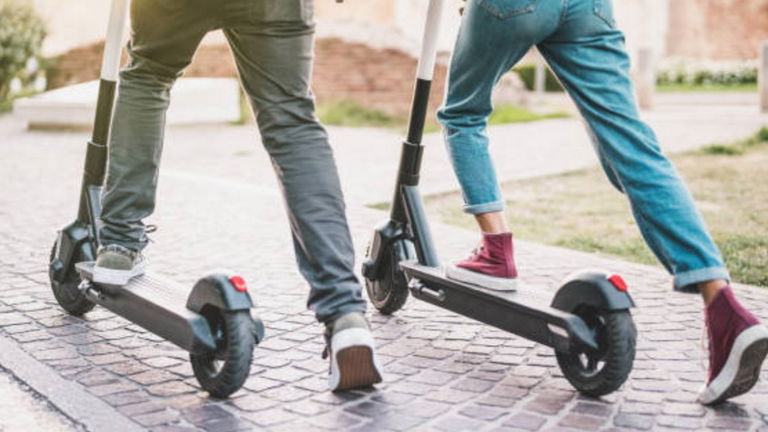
742	368
109	276
353	360
482	280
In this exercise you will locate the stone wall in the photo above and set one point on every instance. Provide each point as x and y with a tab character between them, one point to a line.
380	78
717	29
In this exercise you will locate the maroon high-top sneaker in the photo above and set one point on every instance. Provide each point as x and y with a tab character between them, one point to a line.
738	345
491	265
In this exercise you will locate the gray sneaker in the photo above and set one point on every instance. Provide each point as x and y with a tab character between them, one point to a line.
116	265
353	357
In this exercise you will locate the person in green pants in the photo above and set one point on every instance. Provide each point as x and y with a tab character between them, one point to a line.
272	43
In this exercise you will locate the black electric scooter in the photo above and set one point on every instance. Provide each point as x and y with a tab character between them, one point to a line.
213	321
588	322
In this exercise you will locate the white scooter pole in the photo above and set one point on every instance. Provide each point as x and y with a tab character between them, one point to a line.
96	154
425	71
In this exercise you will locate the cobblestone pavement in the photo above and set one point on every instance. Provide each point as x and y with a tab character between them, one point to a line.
444	372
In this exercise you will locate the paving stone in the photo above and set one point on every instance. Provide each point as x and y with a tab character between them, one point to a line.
152	377
458	423
482	412
525	421
594	409
111	388
680	422
335	421
582	422
228	424
545	404
432	377
199	415
634	421
170	388
156	418
732	423
473	385
397	421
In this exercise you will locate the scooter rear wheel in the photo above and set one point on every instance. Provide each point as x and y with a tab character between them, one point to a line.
224	371
68	294
603	371
389	293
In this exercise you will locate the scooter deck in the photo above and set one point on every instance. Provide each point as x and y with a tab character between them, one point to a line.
525	312
155	303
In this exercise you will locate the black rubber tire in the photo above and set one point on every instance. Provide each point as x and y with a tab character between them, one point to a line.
389	293
235	342
617	337
67	293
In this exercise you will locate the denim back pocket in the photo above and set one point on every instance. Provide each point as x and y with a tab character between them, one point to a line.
604	10
504	9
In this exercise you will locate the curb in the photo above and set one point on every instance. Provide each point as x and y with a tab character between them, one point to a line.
70	398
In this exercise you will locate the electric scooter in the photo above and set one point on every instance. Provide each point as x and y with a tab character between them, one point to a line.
213	321
588	322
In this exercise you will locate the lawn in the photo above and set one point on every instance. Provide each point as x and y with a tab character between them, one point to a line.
580	210
352	114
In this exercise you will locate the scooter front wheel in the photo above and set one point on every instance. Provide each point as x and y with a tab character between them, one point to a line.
67	292
389	292
223	372
601	372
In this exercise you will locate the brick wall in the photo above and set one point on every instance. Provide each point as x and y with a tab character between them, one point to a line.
717	29
380	78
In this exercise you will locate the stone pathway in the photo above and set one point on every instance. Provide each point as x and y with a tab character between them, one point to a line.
218	207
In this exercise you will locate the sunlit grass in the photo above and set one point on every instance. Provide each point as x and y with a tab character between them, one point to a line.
580	210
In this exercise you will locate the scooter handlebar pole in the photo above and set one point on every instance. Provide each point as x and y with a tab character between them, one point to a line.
425	71
110	61
428	55
96	153
410	158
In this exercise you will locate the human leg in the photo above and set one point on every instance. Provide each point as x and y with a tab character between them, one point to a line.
589	57
164	37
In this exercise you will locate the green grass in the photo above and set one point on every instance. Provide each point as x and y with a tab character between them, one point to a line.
580	210
505	114
672	88
351	114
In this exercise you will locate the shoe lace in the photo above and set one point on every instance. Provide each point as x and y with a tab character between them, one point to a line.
477	250
149	229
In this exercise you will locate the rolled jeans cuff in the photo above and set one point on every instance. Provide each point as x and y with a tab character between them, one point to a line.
687	281
474	209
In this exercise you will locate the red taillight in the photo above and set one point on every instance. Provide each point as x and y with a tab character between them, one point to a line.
239	283
618	282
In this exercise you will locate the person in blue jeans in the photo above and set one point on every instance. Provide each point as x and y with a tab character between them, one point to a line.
585	50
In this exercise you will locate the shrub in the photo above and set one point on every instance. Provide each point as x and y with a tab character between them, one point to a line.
700	72
21	35
527	73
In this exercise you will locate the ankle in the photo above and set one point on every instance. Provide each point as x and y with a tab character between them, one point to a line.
710	289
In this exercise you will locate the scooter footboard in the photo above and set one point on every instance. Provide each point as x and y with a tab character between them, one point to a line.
524	313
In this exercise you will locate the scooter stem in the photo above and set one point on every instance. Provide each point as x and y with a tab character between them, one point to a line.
96	153
426	67
110	61
425	71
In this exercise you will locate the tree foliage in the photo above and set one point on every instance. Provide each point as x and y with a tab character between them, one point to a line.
21	35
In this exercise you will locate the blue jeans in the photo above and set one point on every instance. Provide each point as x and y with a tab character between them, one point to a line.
579	40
